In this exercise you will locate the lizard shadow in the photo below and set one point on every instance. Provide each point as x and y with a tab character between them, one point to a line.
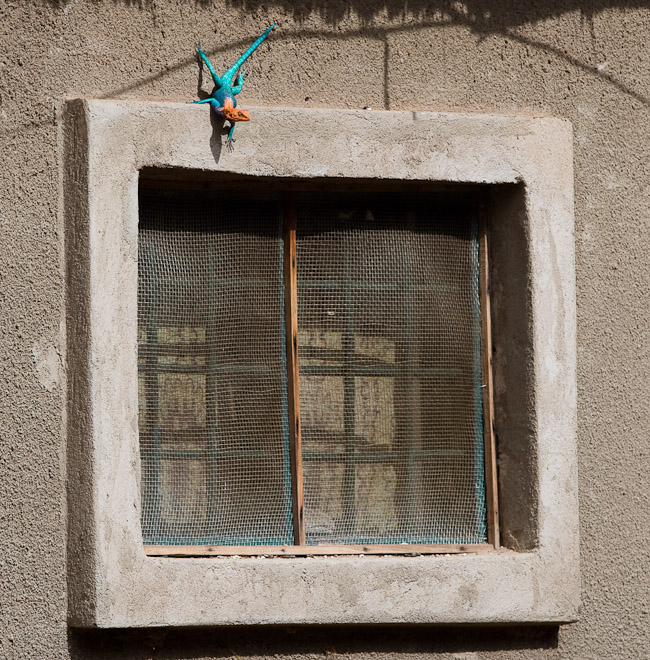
217	123
218	130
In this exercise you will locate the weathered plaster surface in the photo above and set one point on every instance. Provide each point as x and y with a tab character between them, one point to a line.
586	61
114	140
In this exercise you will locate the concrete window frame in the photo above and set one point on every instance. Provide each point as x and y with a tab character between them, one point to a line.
526	165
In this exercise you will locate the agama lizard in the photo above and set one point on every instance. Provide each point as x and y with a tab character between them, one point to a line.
222	100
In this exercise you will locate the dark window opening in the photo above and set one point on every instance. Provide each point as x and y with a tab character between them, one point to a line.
386	303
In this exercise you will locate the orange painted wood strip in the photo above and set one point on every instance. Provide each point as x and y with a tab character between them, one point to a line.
491	483
291	323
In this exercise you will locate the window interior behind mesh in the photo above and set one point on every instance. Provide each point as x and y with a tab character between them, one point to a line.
390	385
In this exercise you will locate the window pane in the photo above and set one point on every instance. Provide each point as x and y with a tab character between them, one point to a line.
390	369
213	403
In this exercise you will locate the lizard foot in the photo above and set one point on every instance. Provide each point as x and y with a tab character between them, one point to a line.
230	144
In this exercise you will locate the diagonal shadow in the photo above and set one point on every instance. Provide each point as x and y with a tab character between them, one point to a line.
482	22
498	12
483	28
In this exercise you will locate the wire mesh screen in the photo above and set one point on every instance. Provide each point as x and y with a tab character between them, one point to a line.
390	369
212	374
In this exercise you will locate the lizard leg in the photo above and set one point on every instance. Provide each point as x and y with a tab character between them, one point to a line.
229	141
240	81
213	105
215	78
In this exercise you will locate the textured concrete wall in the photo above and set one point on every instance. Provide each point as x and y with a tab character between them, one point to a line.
587	61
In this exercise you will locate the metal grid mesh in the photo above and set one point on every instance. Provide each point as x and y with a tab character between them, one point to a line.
390	369
212	373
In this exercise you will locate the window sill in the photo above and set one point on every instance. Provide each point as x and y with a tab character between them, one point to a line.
528	162
409	549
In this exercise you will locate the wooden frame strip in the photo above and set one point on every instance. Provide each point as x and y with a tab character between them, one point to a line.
307	550
291	325
491	483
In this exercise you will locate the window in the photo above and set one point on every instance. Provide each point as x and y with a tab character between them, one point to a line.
518	168
382	292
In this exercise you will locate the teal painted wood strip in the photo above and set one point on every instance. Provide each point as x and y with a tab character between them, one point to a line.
410	383
349	478
201	369
152	337
217	540
381	457
479	454
359	285
388	370
170	453
211	397
221	282
286	432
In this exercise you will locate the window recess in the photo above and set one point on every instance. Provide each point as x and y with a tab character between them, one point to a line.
115	152
313	372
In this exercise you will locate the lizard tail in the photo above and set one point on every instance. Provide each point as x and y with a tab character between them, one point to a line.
228	76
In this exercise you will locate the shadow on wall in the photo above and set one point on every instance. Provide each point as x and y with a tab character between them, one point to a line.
486	15
382	18
322	642
483	17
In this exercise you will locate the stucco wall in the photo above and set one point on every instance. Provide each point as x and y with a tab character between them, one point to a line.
586	61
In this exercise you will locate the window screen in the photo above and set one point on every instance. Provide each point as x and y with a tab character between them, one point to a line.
390	370
389	348
213	408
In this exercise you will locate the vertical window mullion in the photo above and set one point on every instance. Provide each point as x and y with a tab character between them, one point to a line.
211	402
491	494
151	390
410	383
291	325
349	410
